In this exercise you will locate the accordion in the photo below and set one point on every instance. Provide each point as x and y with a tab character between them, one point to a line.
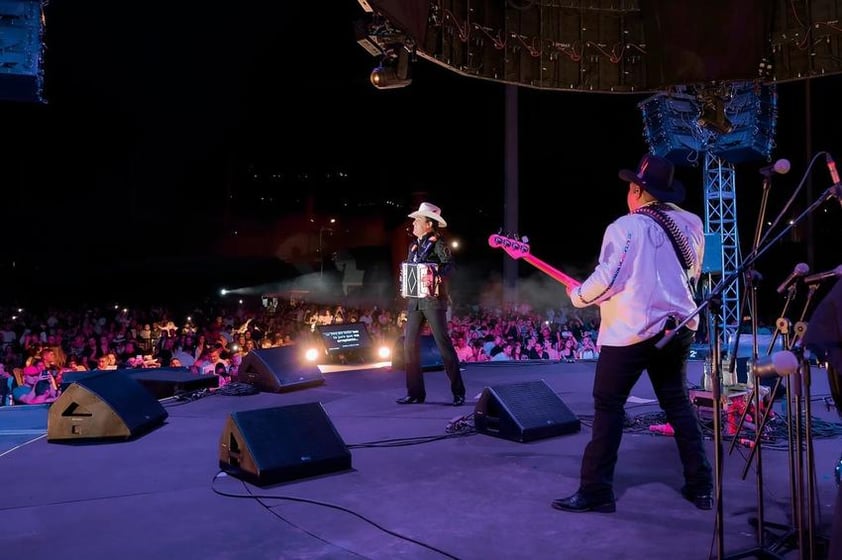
419	280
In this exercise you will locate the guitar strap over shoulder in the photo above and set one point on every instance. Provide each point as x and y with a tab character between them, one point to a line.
679	241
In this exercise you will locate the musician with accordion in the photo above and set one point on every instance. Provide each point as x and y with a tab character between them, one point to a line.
423	281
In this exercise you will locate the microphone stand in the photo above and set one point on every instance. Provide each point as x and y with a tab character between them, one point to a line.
749	279
755	396
782	328
811	503
802	458
812	491
711	303
797	468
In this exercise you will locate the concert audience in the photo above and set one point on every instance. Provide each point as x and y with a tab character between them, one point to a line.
214	341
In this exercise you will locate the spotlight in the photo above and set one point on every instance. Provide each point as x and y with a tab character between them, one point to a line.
393	70
384	352
311	354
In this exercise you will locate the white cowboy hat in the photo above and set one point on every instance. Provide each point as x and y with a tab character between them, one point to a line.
427	210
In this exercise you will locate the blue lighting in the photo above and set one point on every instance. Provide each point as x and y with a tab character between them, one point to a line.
21	55
673	130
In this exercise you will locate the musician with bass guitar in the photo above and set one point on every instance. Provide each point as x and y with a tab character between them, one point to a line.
644	285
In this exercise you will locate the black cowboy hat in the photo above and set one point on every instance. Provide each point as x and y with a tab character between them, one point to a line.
655	175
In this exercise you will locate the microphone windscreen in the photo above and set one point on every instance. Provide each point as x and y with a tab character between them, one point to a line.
782	166
778	363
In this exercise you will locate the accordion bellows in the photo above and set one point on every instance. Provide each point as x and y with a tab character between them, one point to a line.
418	280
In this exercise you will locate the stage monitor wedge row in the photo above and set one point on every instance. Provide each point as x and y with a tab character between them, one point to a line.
280	369
162	383
109	405
271	445
169	382
523	412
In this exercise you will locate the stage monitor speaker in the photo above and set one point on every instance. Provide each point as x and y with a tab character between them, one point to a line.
430	355
275	370
270	445
523	412
346	342
108	405
169	382
71	377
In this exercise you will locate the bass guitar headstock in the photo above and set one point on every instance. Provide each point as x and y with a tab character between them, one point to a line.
514	247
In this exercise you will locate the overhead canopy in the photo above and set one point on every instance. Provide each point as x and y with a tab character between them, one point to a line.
619	46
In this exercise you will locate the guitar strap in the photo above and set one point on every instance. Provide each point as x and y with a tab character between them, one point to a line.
679	241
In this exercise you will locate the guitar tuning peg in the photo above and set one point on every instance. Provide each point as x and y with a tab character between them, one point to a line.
499	231
524	239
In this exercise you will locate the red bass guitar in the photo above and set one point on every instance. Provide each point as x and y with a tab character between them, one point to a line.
520	250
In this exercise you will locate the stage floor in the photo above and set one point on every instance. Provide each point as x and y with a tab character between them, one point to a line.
414	491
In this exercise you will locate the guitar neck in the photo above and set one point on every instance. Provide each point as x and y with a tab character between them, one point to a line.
554	273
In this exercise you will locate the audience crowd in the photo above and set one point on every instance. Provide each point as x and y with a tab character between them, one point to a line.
40	346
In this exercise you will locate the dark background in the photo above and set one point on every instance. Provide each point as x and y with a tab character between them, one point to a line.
163	126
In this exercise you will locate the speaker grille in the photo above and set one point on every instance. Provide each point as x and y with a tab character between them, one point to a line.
524	412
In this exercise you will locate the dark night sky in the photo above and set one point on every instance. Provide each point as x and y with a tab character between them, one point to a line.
154	113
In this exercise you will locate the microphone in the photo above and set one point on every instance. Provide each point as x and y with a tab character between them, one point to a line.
780	363
831	167
836	188
800	270
815	278
781	167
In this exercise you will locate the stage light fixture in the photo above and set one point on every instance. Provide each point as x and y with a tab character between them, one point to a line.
393	70
311	354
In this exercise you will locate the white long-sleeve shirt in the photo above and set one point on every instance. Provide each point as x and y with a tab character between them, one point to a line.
639	282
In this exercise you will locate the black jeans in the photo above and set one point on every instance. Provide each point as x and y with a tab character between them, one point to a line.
437	320
617	370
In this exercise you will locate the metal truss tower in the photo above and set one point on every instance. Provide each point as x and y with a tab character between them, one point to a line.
721	219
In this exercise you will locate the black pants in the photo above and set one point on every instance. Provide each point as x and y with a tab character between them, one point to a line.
412	351
617	370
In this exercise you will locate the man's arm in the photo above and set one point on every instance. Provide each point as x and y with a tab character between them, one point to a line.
445	257
607	278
